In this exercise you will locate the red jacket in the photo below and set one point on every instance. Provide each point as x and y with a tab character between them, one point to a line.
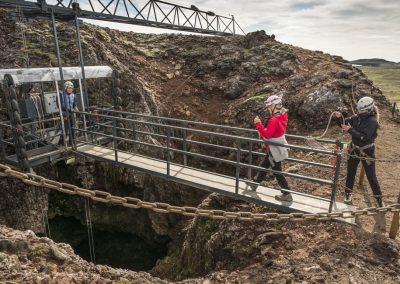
276	127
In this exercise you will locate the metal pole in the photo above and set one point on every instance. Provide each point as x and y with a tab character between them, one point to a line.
168	152
61	116
83	108
184	132
81	60
336	175
233	22
249	170
115	139
53	22
113	86
134	136
238	156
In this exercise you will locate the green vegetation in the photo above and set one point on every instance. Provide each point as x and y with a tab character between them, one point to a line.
387	79
375	62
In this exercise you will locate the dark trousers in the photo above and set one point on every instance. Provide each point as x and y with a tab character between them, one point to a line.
261	175
370	171
68	125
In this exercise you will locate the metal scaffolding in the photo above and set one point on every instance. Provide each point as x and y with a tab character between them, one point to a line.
154	13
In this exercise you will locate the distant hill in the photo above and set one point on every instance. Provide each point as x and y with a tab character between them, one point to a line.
374	62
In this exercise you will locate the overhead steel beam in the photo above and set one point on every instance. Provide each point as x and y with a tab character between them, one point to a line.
157	14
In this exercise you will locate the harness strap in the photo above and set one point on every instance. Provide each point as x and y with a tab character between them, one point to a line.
361	150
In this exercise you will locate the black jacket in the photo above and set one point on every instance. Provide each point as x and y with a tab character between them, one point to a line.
363	129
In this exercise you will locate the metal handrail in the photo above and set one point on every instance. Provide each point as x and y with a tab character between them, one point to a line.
220	135
82	142
226	127
214	145
229	162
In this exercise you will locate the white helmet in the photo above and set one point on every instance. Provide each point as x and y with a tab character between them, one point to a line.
273	100
365	103
68	84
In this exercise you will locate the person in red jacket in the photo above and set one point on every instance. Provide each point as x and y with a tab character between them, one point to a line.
274	131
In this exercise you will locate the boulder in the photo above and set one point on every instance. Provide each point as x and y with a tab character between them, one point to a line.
256	38
235	88
344	83
343	74
318	105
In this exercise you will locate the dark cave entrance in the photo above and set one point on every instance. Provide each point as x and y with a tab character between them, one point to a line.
116	249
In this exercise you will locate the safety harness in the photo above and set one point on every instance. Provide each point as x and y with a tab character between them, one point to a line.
361	150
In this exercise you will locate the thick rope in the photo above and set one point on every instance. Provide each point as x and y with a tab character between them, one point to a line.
327	127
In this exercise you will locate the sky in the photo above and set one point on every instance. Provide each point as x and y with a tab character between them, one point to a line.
353	29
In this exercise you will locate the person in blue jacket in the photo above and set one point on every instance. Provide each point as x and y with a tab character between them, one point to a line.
68	104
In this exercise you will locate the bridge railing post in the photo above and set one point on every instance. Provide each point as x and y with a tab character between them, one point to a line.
168	151
134	136
338	154
250	160
238	158
115	133
184	134
92	123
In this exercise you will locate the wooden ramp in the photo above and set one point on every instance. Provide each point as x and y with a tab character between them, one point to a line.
214	182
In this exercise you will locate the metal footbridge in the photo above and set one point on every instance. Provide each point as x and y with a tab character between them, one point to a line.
178	150
181	146
34	130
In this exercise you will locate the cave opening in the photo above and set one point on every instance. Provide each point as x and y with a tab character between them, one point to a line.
116	249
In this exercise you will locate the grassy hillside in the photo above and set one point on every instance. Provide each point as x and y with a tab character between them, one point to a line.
387	79
375	62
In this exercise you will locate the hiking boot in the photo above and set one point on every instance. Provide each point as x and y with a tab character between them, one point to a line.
253	185
348	198
284	197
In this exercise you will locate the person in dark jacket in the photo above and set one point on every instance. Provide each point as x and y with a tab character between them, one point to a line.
363	129
68	104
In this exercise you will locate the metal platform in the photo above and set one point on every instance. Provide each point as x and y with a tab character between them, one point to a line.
214	182
38	156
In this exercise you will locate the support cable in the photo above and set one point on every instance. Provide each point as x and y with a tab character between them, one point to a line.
89	230
24	49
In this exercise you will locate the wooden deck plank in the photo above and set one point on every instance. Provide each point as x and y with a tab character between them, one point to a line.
214	182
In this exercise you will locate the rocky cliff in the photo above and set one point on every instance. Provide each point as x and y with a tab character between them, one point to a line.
25	258
214	79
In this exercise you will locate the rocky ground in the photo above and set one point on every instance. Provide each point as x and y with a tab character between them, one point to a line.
25	258
213	79
224	252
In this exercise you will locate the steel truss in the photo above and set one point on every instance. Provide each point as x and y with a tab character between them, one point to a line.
154	13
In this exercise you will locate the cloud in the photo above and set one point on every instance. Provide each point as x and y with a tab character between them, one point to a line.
363	10
306	5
